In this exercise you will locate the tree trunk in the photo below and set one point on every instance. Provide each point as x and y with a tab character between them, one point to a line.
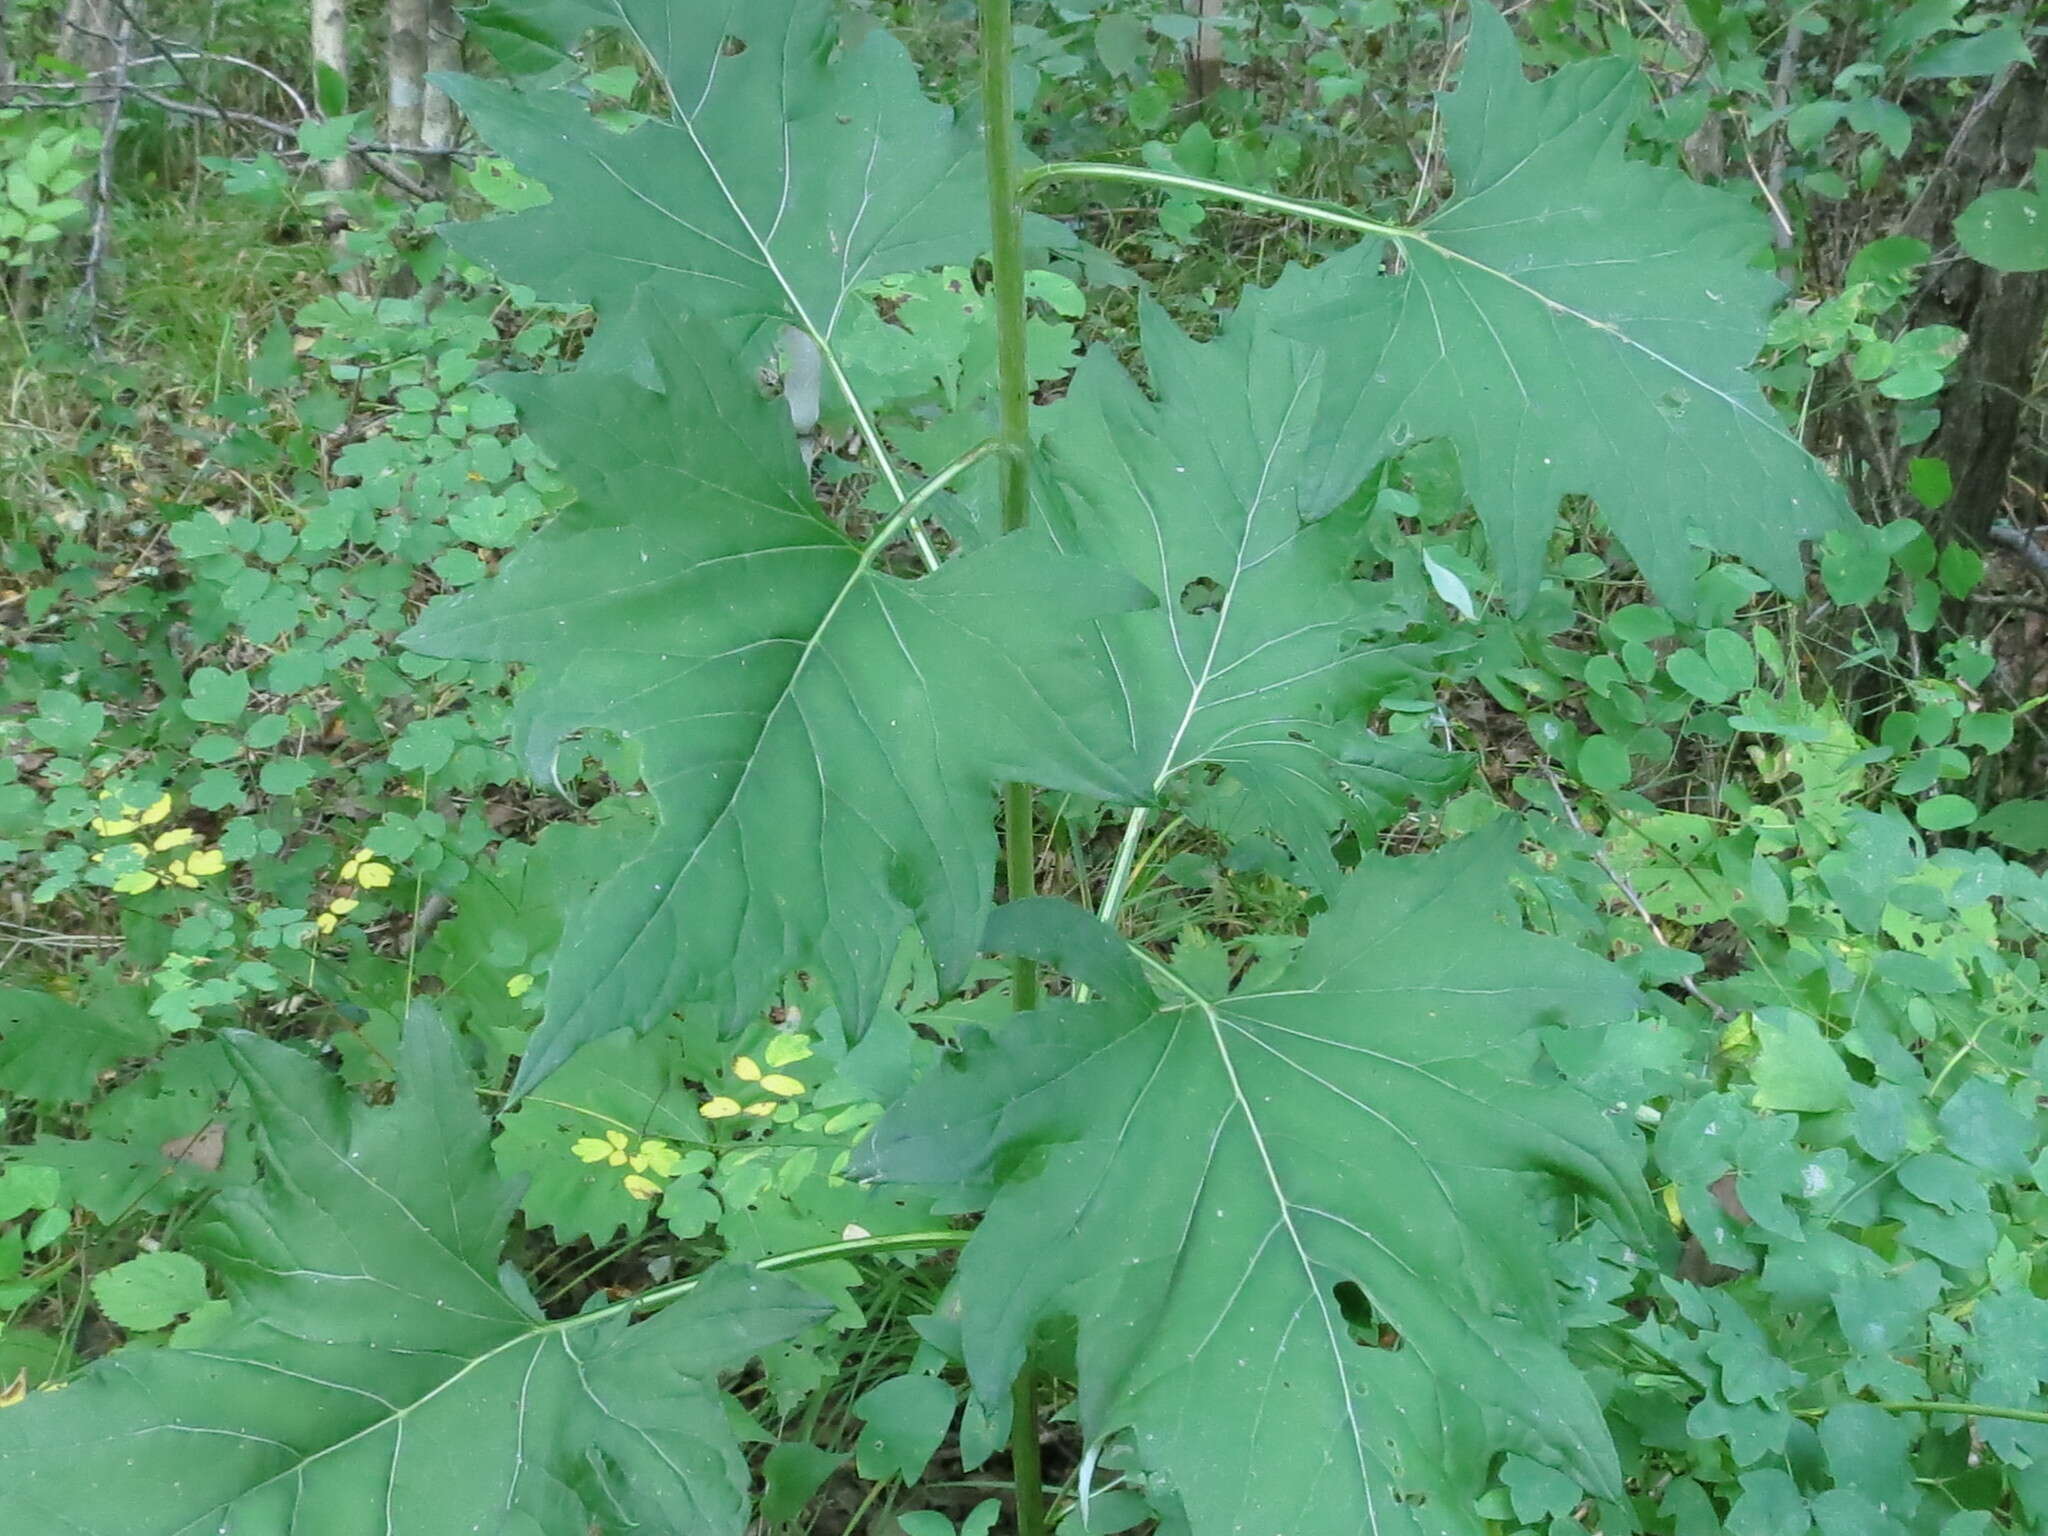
2003	313
1205	53
86	34
406	70
439	123
329	38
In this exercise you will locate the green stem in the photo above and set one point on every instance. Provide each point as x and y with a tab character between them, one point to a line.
1974	1410
1006	260
1318	213
853	1247
1120	872
1026	1471
1013	399
1013	430
907	512
1020	876
873	438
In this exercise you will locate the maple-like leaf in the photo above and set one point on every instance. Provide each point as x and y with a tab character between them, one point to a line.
1574	321
821	738
381	1374
1209	1185
785	173
1254	657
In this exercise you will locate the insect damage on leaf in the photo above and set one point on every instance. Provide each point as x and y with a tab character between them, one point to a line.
1255	657
1210	1176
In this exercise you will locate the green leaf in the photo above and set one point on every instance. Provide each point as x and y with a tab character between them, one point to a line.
1795	1067
2021	825
216	697
787	173
622	1083
906	1418
1931	482
381	1367
53	1051
1982	1127
821	738
1944	813
1855	565
2006	229
151	1292
1251	656
1984	53
28	1187
1603	763
1574	321
1233	1196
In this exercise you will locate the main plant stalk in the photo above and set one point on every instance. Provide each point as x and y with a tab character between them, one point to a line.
1013	395
1013	431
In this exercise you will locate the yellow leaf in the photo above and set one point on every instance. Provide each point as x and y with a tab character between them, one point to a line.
720	1108
747	1069
765	1107
326	922
115	828
135	882
787	1087
592	1149
641	1189
156	812
177	837
1671	1205
519	985
207	861
373	876
784	1049
341	906
661	1157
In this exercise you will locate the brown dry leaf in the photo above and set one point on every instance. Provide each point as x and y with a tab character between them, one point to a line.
202	1149
1723	1191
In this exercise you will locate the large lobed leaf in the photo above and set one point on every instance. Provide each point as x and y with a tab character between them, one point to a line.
821	738
1254	655
382	1376
1199	1181
785	174
1574	321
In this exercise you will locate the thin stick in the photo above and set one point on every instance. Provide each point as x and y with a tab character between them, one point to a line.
103	188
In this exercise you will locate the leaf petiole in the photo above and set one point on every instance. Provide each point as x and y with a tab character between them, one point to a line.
1973	1410
800	1258
1097	170
914	503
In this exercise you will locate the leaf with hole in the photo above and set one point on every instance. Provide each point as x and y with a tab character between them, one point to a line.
1294	1222
1262	652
